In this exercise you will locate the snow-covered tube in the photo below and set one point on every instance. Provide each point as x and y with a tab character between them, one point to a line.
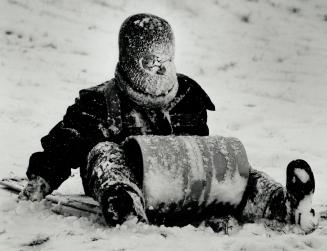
189	170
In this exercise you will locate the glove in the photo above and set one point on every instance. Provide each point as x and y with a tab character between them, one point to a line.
36	189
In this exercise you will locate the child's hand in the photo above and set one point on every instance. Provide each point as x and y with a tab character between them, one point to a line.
35	190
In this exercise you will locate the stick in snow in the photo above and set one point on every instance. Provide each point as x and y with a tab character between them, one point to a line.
81	203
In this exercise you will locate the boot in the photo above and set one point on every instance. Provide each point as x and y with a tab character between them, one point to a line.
294	204
300	186
119	204
267	199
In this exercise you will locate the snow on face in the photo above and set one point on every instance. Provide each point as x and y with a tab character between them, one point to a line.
302	175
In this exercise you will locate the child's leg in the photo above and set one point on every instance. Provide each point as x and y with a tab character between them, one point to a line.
112	183
260	192
268	199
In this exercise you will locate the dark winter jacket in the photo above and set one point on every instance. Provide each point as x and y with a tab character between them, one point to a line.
103	113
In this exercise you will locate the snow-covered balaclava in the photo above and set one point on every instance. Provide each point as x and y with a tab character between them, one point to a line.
146	71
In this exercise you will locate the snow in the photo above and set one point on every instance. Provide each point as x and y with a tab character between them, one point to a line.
263	63
302	175
197	170
141	22
229	190
162	185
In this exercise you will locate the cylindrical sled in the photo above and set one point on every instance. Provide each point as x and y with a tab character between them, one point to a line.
183	174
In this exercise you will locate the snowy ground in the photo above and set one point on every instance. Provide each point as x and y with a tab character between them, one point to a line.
263	62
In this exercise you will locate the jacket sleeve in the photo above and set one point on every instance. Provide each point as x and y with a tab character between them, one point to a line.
68	143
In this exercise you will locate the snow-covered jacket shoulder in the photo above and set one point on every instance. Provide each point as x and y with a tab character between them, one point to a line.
187	84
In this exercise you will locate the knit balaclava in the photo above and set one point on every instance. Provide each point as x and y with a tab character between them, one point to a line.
146	71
